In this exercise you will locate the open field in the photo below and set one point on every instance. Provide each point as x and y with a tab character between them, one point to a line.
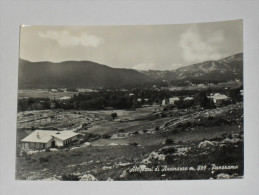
135	143
43	93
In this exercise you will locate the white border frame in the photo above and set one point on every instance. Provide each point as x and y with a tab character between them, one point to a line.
78	12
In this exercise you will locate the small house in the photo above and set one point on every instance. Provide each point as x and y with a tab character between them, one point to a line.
188	99
170	101
173	100
218	98
42	139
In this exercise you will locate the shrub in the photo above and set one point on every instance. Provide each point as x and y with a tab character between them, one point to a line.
114	115
135	133
121	131
91	137
106	136
133	144
28	158
85	125
224	135
23	153
175	131
70	177
76	153
170	150
169	141
230	136
169	159
42	159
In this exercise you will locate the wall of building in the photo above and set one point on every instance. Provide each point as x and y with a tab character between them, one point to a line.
58	142
34	145
74	138
48	144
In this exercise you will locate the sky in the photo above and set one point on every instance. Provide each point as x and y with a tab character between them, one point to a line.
142	47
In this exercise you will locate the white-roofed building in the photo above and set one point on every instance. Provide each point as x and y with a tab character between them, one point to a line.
170	101
42	139
139	100
173	100
65	98
218	98
188	99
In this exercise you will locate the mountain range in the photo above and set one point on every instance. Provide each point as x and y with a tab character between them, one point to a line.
87	74
76	74
229	68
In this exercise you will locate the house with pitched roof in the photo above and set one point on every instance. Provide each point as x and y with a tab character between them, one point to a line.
42	139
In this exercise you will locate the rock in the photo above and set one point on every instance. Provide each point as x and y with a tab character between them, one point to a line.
205	144
74	148
234	140
53	149
86	144
88	177
32	152
223	176
123	164
106	168
235	135
124	174
182	151
109	179
145	161
113	144
120	135
43	170
153	155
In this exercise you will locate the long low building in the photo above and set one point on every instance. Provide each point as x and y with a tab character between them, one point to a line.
42	139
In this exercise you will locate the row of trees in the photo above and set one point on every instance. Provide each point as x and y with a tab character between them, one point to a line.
123	100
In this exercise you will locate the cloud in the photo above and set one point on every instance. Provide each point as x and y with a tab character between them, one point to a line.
197	47
66	39
152	66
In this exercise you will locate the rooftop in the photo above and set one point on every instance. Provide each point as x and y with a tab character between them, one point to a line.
218	96
44	136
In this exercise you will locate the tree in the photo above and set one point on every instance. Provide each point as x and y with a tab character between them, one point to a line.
203	101
114	115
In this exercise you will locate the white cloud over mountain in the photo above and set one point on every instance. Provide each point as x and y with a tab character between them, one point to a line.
66	39
198	48
152	66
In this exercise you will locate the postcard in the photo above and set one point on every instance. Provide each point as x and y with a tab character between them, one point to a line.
139	102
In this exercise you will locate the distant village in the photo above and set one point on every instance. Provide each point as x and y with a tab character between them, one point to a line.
130	98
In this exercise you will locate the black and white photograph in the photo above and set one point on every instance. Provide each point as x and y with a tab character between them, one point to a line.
130	102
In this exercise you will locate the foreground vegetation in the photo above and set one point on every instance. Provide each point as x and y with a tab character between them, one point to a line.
138	145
